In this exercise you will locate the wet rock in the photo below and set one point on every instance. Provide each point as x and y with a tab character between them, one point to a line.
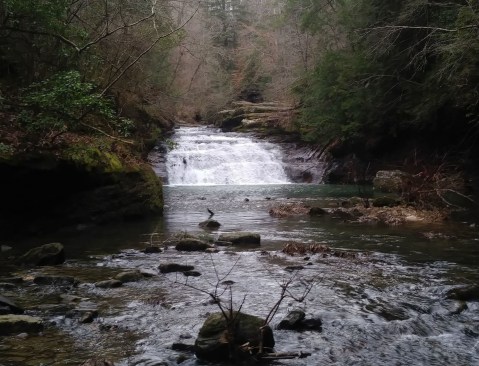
108	284
98	362
296	320
192	274
8	306
129	276
182	347
55	280
467	293
152	250
391	180
174	267
317	211
5	248
241	238
191	245
16	280
14	324
211	343
88	317
7	285
209	224
385	201
46	255
289	209
292	320
343	214
294	268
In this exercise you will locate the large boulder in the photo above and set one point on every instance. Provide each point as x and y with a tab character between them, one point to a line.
191	245
466	293
215	342
14	324
241	238
7	306
46	255
391	180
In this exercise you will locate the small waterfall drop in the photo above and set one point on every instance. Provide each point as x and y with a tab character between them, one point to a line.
204	156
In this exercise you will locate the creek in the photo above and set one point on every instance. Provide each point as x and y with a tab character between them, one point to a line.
385	306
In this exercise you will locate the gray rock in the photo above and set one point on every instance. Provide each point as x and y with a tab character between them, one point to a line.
241	238
174	267
129	276
391	180
192	245
466	293
108	284
46	255
292	320
88	317
209	224
211	344
14	324
10	306
55	280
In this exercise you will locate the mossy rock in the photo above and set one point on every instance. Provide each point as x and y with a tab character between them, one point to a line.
15	324
213	342
46	255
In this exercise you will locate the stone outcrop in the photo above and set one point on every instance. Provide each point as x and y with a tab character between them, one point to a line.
80	185
217	338
241	238
15	324
45	255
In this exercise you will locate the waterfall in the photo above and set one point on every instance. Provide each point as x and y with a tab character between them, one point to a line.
203	156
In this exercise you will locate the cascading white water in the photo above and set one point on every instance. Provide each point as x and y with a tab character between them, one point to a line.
204	156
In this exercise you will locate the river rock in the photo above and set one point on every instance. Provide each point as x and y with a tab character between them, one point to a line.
467	293
209	224
296	320
46	255
108	284
317	211
14	324
191	245
174	267
8	306
152	250
391	180
129	276
7	285
241	238
212	344
55	280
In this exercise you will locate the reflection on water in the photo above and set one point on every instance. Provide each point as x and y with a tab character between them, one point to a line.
386	307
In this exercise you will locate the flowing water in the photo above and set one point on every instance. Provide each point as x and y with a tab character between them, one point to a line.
385	306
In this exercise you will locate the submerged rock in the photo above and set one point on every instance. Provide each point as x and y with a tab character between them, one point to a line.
209	224
214	341
241	238
192	245
109	284
174	267
8	306
129	276
14	324
46	255
55	280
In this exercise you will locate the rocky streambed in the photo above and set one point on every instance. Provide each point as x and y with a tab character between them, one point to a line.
374	308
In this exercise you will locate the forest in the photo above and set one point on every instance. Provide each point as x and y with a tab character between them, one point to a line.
362	73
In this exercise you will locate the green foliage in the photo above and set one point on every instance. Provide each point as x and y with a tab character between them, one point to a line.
63	102
400	66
